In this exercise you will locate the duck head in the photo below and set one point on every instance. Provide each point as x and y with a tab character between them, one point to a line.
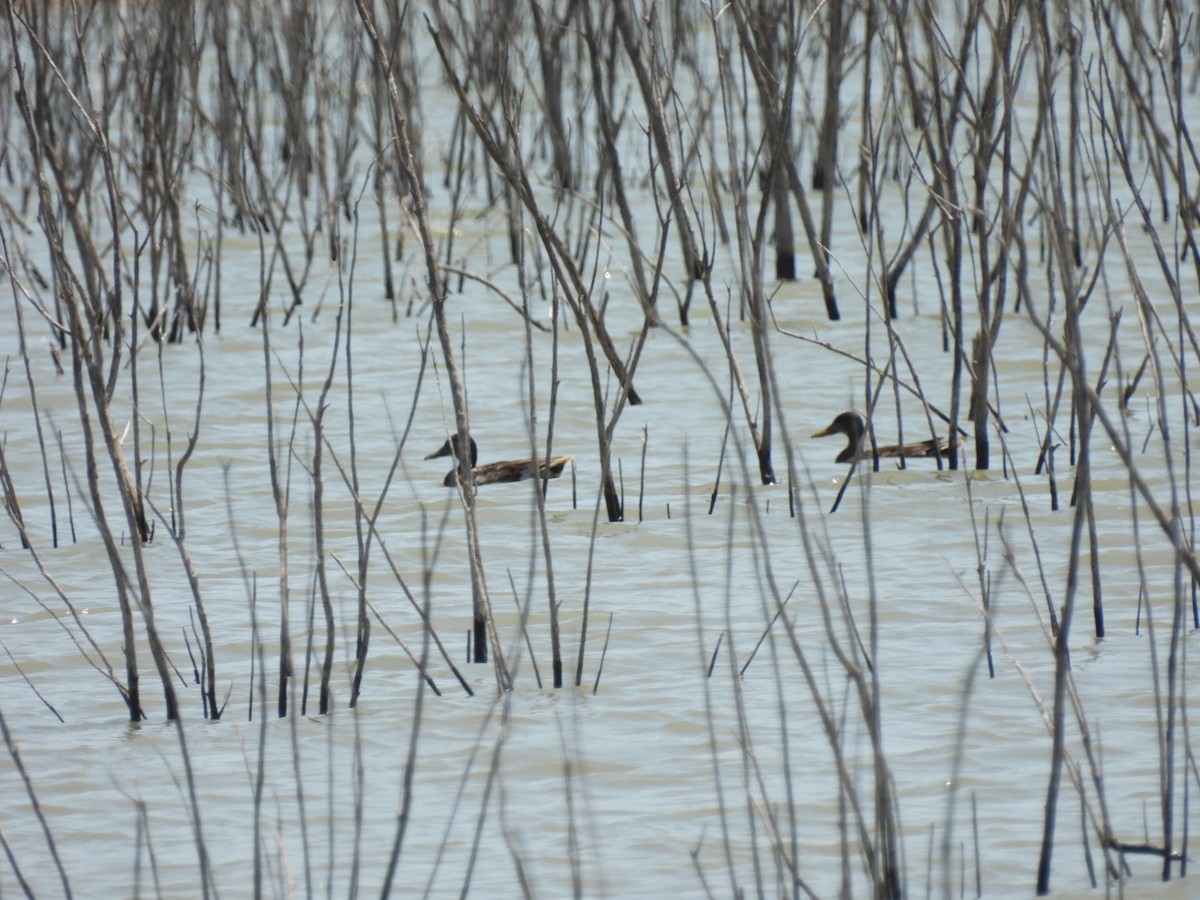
451	448
850	424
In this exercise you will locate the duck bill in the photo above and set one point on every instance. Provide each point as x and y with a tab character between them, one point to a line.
824	432
443	450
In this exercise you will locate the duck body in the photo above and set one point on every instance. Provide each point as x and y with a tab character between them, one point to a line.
501	472
852	425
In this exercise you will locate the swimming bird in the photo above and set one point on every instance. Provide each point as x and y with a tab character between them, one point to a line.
499	472
851	424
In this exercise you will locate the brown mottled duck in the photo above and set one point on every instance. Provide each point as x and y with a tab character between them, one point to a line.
499	472
851	424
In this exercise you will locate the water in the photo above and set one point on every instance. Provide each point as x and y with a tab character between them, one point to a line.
641	790
660	781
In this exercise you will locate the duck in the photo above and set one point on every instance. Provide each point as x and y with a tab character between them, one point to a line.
853	426
502	472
